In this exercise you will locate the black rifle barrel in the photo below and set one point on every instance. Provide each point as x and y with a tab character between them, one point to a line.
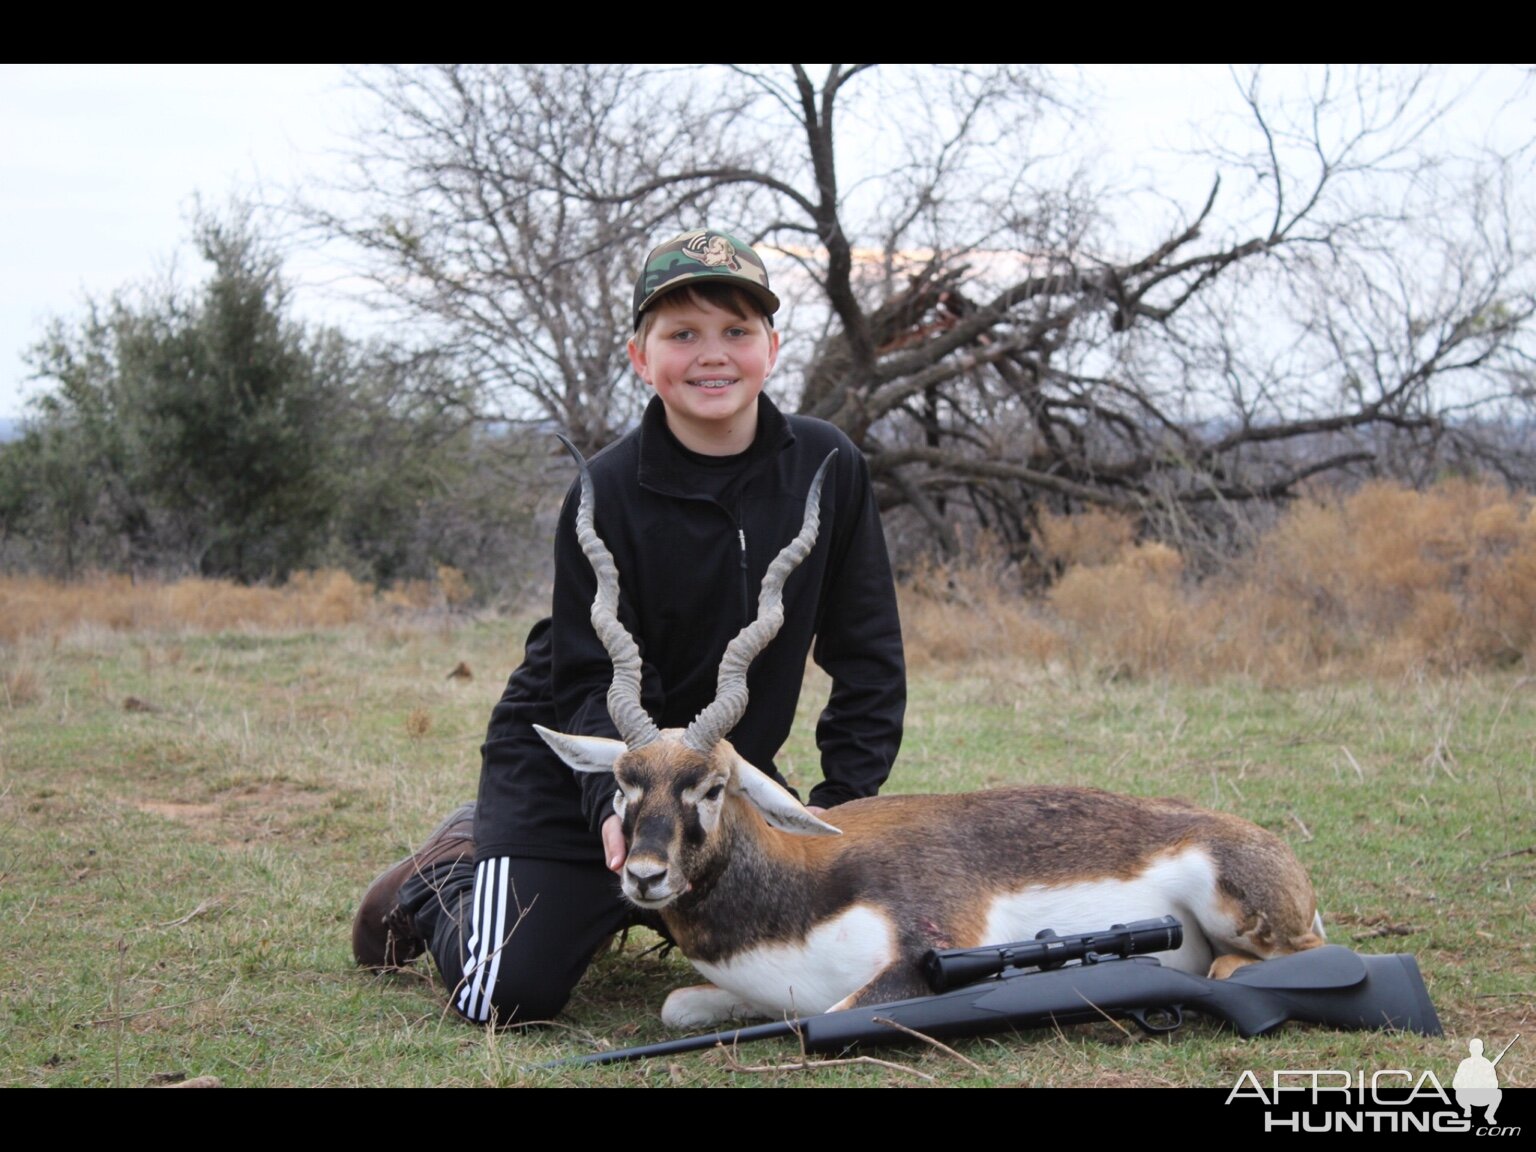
1331	986
726	1039
953	967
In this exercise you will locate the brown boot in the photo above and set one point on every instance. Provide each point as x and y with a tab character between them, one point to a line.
383	935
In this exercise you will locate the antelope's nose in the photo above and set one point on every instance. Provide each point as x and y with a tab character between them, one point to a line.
644	874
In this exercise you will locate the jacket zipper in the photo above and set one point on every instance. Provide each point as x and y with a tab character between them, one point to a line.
746	601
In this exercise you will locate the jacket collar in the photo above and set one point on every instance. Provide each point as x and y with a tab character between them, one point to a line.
661	459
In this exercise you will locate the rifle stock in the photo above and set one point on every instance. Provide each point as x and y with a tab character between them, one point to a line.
1331	986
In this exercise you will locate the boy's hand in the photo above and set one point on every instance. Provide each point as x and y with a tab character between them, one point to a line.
613	843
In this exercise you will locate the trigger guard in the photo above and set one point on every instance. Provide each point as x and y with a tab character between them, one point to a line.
1158	1021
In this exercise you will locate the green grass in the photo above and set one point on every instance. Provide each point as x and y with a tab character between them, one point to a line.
178	877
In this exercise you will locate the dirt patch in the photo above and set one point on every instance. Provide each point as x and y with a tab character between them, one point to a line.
170	810
260	810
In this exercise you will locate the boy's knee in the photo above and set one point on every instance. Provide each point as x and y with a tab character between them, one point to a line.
526	973
523	998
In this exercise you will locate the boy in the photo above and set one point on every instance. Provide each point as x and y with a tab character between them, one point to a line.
515	893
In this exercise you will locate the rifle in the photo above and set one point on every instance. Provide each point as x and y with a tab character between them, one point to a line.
1331	985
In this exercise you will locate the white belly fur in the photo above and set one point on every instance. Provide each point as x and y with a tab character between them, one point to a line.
1183	886
842	955
837	958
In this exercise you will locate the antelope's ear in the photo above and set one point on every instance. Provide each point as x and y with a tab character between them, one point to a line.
777	805
583	753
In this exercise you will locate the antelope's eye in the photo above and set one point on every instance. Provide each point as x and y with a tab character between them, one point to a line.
714	793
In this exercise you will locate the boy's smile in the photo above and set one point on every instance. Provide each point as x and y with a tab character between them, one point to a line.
708	366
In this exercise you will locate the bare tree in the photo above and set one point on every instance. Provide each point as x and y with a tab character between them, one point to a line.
996	331
487	208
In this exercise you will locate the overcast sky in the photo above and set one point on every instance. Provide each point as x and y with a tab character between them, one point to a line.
100	164
99	167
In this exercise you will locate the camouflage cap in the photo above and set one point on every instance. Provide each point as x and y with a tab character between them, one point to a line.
704	253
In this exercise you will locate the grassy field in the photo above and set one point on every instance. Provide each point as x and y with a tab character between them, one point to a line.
188	820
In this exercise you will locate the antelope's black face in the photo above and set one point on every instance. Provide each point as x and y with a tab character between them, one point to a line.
671	800
680	809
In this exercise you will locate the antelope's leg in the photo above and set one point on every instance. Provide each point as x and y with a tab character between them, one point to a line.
703	1004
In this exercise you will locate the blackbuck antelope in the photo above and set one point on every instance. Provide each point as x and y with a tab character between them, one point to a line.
787	914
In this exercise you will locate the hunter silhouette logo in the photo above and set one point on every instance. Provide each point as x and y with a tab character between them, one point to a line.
1476	1082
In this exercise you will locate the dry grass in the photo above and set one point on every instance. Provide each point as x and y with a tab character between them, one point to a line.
963	613
34	607
1381	582
1446	578
20	686
1377	583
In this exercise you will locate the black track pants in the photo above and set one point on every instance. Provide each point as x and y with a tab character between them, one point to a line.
512	936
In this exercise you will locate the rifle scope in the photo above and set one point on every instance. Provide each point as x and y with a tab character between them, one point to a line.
954	967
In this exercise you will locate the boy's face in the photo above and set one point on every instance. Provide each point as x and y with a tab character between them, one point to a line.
708	365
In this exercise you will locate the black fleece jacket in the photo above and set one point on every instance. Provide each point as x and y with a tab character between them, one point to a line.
692	540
